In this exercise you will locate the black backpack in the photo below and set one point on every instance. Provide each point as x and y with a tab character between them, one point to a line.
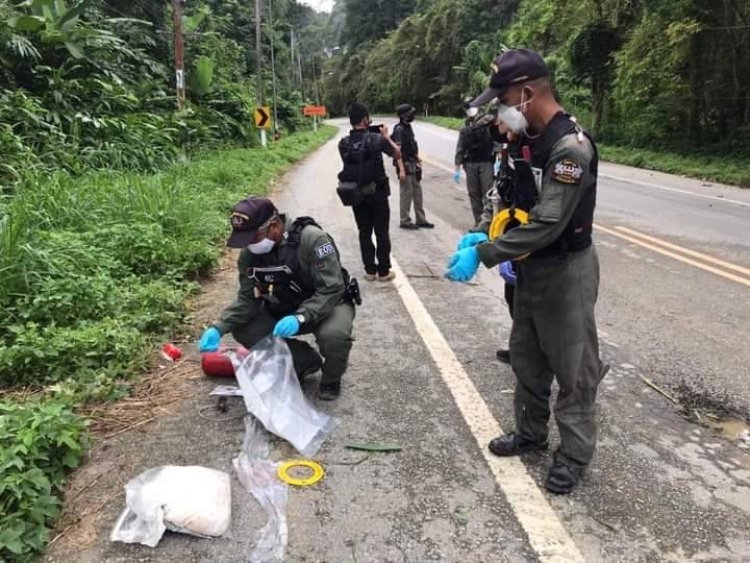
479	146
360	162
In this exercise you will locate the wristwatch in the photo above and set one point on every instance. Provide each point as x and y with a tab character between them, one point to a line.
300	318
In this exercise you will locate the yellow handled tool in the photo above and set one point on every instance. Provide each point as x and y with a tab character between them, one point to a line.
503	219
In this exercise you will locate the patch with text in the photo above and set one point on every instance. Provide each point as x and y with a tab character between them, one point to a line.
567	172
325	250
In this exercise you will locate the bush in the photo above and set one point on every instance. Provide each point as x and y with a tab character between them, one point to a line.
40	354
94	269
39	442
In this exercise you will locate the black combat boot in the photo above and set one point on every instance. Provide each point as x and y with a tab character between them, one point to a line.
562	478
503	355
306	360
329	391
512	444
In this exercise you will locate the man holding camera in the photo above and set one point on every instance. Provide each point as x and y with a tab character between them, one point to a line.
291	282
362	154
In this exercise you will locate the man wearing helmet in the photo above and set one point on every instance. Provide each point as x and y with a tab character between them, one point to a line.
410	175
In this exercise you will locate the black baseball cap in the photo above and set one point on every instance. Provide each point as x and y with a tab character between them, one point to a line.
248	216
512	67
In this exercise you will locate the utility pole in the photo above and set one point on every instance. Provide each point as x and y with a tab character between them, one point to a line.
299	68
291	48
259	65
179	52
273	68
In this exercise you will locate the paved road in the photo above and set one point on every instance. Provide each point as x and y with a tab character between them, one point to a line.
423	374
676	272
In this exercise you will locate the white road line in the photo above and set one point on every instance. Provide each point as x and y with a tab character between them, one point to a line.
547	536
676	190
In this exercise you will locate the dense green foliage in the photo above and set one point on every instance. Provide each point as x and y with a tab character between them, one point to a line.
90	83
669	74
106	225
95	268
39	442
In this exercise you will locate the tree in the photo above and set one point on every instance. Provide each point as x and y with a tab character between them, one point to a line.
592	58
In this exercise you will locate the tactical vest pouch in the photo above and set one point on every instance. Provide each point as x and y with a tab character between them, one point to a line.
350	193
369	188
353	294
526	193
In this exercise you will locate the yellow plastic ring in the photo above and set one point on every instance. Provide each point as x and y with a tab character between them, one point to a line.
502	219
317	472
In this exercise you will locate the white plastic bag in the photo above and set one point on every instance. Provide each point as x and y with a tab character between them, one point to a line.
258	476
272	393
190	500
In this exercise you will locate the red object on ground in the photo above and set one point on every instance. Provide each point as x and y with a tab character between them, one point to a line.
217	364
171	352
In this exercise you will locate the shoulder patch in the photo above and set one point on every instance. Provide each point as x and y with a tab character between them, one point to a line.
324	250
567	172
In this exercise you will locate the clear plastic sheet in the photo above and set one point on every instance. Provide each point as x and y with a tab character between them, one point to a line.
258	475
272	393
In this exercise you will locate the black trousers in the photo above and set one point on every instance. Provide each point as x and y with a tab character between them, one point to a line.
510	293
373	215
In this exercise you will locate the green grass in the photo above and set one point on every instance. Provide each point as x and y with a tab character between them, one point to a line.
725	169
447	122
96	269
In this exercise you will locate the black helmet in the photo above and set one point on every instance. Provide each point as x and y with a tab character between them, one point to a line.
405	109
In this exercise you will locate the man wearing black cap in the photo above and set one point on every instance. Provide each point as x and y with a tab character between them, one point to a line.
291	282
410	180
554	327
362	154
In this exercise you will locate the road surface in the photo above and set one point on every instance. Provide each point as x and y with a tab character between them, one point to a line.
673	309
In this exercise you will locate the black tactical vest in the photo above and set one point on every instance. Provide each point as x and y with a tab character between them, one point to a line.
479	144
360	152
577	233
276	275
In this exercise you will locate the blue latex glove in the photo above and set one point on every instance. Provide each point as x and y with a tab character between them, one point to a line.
286	327
457	176
497	167
463	265
507	272
471	239
210	340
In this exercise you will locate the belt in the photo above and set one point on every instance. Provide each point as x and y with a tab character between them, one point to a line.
556	258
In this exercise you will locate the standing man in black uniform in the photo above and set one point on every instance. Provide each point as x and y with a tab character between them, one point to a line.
362	154
291	282
554	327
410	180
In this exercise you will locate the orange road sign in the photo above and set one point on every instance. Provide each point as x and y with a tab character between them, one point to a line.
310	111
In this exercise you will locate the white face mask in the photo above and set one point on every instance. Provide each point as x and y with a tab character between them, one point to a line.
263	247
513	118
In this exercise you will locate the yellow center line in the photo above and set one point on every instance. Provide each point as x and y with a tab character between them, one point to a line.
660	250
687	251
